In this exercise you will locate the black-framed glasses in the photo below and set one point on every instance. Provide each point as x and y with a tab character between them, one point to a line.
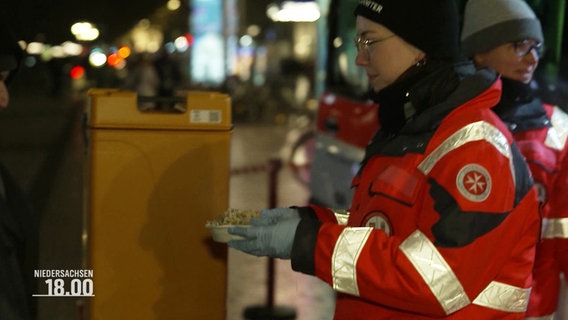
364	44
524	47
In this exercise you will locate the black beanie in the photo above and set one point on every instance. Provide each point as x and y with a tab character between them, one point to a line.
430	25
10	52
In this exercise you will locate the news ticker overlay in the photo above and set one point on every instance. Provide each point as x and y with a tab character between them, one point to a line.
65	283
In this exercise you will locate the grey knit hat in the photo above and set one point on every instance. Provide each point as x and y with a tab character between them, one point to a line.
490	23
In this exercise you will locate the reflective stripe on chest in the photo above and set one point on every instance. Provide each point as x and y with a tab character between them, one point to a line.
433	269
473	181
558	133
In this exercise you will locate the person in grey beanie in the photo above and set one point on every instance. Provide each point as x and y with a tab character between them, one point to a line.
440	185
506	35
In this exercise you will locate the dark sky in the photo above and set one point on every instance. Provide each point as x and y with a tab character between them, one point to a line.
53	18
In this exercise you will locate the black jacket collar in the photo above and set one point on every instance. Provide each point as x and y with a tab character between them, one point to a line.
440	90
519	107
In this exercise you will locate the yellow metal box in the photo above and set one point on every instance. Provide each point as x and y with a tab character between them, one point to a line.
154	179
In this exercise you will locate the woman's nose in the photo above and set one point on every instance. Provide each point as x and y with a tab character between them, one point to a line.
532	57
361	59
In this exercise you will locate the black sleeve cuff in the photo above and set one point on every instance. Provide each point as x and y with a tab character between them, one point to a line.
306	212
302	257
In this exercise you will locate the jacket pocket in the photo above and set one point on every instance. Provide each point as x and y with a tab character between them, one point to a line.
398	184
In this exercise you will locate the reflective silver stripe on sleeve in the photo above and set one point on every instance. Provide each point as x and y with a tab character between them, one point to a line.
476	131
555	228
341	216
344	259
504	297
558	133
435	271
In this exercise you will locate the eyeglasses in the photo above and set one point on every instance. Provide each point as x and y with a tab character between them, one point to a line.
364	44
523	48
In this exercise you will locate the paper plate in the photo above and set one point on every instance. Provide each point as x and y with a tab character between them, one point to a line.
221	233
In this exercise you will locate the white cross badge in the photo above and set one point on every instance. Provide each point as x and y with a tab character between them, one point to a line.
474	182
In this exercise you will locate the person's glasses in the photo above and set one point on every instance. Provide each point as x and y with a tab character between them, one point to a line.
522	48
364	44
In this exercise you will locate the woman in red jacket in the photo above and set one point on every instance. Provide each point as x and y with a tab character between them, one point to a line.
444	218
509	40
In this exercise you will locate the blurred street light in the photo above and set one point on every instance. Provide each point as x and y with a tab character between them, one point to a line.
35	48
173	5
97	58
71	48
84	31
293	11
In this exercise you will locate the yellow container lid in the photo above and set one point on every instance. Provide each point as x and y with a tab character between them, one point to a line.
193	110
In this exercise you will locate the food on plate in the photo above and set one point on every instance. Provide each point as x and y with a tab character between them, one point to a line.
233	217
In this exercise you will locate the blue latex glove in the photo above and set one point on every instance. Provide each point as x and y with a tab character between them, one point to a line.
272	216
273	240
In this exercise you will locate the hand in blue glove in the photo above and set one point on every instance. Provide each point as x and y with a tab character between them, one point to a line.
273	240
272	216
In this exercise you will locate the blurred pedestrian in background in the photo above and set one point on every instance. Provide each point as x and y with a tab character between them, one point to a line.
18	220
444	219
144	79
169	73
506	35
